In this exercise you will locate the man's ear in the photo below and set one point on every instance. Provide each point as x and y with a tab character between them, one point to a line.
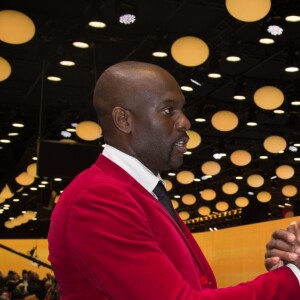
121	117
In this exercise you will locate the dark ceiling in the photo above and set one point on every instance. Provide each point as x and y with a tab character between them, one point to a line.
47	107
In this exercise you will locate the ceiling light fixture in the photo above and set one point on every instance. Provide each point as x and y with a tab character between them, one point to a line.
54	78
240	93
160	49
67	63
127	12
159	53
186	88
5	69
251	120
81	45
248	10
292	11
266	40
15	27
214	69
274	26
190	51
292	61
97	24
94	11
233	54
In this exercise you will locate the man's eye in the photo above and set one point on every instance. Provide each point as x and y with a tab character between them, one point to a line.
168	110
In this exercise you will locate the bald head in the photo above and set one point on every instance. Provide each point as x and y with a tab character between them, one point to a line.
126	84
119	85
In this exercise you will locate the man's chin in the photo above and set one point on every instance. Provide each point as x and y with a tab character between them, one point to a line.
175	164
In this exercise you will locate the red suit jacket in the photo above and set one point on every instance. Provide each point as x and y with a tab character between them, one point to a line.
111	239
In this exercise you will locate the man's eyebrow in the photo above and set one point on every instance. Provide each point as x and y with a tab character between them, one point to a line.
171	101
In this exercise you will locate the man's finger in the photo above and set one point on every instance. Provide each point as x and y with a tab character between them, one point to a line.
273	263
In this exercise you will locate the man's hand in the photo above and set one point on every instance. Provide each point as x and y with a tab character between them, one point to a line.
284	247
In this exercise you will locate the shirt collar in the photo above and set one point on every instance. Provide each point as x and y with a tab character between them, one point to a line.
133	167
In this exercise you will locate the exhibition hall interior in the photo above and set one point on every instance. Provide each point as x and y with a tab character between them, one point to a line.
238	69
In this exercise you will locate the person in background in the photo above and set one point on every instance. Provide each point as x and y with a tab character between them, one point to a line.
111	235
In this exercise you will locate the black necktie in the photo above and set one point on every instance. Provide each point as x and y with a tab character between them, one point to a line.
163	197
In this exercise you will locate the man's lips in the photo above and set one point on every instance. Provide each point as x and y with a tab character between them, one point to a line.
181	144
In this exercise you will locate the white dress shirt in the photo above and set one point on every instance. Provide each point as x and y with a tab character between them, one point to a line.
133	167
146	178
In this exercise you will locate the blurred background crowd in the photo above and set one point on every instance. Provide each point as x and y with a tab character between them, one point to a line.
27	286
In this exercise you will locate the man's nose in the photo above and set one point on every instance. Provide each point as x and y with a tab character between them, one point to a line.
183	122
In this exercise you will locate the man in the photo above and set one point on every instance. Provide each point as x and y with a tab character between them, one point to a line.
111	238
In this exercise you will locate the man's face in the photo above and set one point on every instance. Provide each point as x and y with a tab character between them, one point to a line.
158	136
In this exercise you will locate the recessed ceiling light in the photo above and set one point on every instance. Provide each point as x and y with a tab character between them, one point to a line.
67	63
97	24
267	41
160	54
292	18
214	75
239	97
54	78
251	123
186	88
200	120
291	69
18	125
5	141
263	157
279	111
81	45
233	58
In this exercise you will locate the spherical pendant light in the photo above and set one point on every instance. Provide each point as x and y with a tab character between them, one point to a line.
240	157
29	214
175	204
32	169
241	201
264	196
184	215
275	144
169	184
9	224
188	199
6	193
194	139
211	168
15	27
25	179
268	97
248	10
222	206
208	194
289	190
285	172
224	120
185	177
189	51
230	188
204	210
88	130
21	219
5	69
255	180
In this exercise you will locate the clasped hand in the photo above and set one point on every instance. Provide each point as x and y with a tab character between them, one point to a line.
284	247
